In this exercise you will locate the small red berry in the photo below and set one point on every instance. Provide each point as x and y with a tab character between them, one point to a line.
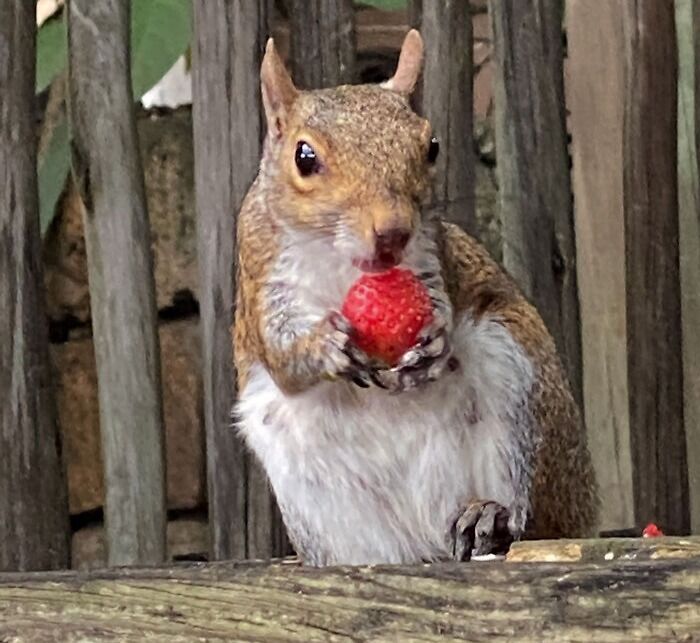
387	311
652	531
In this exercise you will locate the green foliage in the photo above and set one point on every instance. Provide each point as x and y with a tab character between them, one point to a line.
386	5
51	51
160	33
54	165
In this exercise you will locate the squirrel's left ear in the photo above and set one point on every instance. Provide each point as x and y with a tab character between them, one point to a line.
410	64
278	90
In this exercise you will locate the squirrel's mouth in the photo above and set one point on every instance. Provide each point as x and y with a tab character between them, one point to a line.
379	263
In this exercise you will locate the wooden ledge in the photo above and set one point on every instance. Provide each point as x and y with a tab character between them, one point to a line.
603	549
654	595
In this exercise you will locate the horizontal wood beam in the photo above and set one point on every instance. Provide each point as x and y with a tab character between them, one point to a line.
645	598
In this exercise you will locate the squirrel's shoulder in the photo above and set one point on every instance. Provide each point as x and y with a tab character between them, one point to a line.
473	279
479	286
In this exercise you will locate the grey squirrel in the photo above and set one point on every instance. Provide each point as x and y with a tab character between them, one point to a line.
473	439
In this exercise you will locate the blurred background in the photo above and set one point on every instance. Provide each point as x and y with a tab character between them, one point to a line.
568	135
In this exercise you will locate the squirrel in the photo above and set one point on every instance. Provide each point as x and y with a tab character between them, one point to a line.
473	440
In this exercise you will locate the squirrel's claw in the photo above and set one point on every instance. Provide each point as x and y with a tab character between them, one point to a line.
425	362
484	527
346	360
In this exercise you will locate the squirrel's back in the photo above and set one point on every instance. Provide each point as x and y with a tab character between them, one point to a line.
477	284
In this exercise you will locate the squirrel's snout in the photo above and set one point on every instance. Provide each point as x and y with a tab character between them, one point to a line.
389	246
394	240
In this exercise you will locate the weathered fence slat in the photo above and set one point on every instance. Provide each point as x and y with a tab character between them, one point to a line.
652	273
640	599
533	166
107	169
595	99
33	504
688	37
227	123
322	39
445	98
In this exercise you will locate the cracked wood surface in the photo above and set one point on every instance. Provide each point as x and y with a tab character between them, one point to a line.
653	596
33	509
107	168
533	167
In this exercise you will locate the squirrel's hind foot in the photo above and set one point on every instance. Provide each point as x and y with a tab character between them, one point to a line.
484	527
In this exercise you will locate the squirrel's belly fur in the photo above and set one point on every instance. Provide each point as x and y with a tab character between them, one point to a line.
365	477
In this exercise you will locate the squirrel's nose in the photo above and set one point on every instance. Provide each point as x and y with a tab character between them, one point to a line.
394	240
389	246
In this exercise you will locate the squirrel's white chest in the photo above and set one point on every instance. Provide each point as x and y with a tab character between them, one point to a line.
363	476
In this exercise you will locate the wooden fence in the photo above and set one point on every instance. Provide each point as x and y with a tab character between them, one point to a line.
648	591
608	246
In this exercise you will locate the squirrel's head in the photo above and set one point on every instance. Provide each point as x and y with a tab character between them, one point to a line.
353	162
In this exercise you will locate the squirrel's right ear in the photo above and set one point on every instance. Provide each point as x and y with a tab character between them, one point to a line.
410	64
278	90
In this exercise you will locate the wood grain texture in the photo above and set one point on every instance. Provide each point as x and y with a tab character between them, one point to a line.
444	96
599	550
33	501
322	41
228	127
642	600
688	37
533	167
595	95
653	303
107	168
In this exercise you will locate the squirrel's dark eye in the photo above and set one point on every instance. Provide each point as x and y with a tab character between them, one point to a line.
433	150
305	158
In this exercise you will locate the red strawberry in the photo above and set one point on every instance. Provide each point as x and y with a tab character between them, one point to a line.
387	311
652	531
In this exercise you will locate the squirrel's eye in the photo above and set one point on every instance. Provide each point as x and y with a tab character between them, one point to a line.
433	150
305	158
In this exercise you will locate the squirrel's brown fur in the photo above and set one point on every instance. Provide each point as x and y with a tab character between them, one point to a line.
374	178
564	469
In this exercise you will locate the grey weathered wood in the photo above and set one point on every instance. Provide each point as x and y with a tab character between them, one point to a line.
688	37
322	38
33	506
655	373
107	169
444	96
228	127
595	100
640	600
598	550
261	527
533	166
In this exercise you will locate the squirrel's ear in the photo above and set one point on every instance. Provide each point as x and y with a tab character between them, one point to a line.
278	91
410	64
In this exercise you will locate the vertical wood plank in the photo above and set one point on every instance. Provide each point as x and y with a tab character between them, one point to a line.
445	98
652	272
595	97
533	166
322	42
228	127
107	168
34	532
688	37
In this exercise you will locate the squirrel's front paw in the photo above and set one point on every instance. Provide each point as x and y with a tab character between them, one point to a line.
425	362
340	356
